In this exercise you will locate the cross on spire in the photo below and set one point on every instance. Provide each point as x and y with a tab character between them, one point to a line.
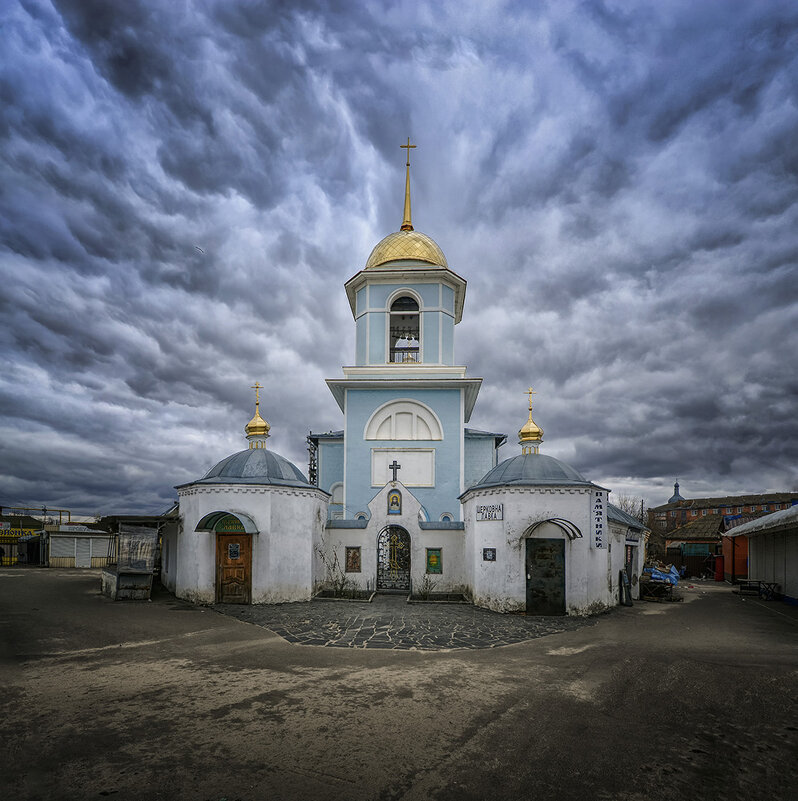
394	467
257	387
408	147
407	223
530	392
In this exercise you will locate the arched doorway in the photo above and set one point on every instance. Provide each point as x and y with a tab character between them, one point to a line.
393	560
233	556
545	566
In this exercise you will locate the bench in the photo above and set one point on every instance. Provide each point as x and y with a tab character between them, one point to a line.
767	590
749	587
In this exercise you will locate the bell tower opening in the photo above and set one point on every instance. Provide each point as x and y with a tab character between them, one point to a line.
404	331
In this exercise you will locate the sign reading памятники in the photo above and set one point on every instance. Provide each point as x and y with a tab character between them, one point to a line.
490	511
599	519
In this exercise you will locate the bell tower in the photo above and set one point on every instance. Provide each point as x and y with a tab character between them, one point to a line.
406	301
404	399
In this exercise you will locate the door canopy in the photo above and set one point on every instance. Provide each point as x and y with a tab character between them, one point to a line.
566	526
211	522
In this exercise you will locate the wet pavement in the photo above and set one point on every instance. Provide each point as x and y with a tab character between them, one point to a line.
389	622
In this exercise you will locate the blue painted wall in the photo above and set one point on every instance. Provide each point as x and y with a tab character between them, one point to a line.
360	406
437	323
480	457
377	338
330	464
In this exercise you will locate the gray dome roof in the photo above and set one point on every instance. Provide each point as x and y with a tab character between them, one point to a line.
532	469
255	466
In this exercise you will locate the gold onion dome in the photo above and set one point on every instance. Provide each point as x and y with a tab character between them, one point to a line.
257	426
257	429
530	431
530	435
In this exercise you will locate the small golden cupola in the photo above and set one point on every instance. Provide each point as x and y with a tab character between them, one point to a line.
530	435
257	429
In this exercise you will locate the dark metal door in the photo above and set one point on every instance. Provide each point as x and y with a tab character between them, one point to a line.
545	577
393	559
233	568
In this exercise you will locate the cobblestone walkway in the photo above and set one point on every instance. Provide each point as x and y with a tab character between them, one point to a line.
390	622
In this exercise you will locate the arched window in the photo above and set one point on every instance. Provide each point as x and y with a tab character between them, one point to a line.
337	501
404	331
406	420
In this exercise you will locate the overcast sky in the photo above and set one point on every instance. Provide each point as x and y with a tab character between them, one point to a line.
185	187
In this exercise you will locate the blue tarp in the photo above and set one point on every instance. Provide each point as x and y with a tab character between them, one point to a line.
671	577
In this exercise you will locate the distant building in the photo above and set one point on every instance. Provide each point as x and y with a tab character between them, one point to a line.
679	512
15	532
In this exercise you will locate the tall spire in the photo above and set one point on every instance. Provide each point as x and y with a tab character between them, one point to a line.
257	429
407	222
531	435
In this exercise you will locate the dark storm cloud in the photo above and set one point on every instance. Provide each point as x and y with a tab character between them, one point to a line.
185	187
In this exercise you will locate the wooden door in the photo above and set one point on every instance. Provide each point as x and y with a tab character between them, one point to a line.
545	577
234	568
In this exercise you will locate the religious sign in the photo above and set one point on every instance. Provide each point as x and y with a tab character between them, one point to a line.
490	511
434	560
393	468
233	550
488	554
230	523
394	502
353	560
599	516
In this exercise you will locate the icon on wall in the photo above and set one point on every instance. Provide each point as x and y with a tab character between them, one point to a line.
394	502
434	560
353	560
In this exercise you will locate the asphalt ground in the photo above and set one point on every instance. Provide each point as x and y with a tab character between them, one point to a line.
163	700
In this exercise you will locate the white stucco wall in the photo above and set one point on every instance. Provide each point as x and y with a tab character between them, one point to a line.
289	522
501	585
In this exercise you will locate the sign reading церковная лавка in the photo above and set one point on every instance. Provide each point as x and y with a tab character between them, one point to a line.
490	511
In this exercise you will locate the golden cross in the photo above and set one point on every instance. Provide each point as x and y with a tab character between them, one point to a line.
408	147
393	552
530	392
257	387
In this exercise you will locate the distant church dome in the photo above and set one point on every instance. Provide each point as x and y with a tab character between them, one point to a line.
406	244
531	469
255	466
675	497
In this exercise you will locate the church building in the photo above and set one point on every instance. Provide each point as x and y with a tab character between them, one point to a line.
405	496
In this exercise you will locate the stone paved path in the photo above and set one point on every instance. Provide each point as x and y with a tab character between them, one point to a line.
390	622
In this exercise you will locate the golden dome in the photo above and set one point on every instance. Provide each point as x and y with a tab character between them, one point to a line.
257	426
406	245
530	435
530	431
